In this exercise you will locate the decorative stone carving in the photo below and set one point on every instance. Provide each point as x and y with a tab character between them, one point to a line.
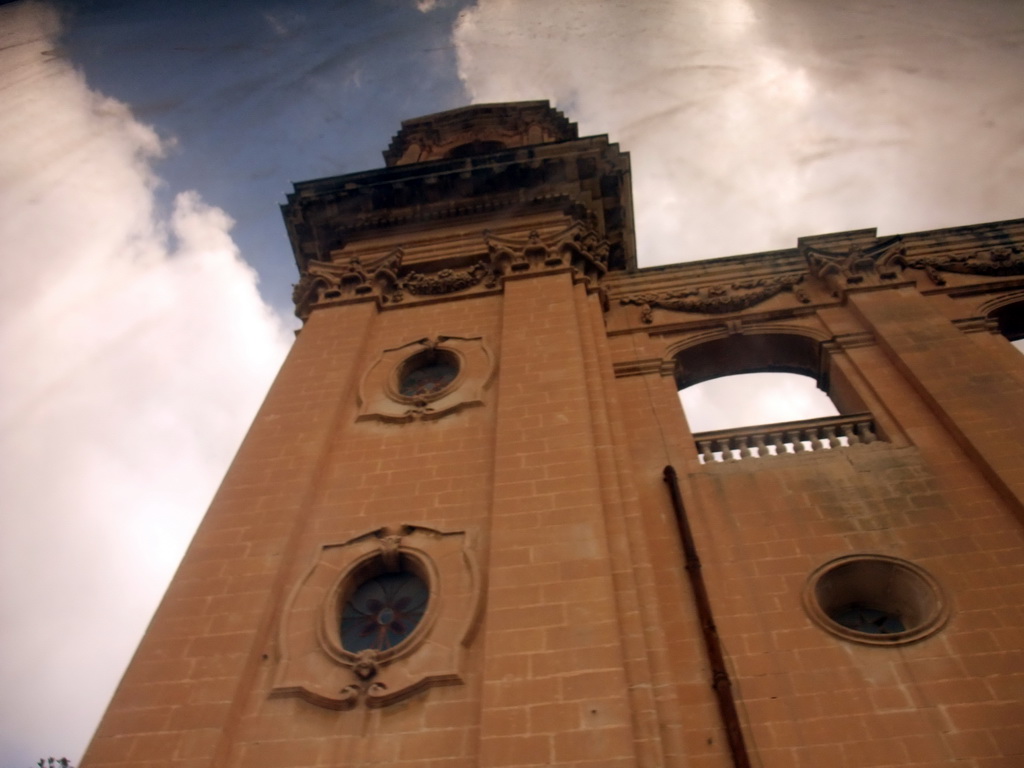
444	281
717	299
314	665
578	246
1007	260
380	391
857	266
325	281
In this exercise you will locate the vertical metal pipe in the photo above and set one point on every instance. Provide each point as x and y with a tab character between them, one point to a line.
719	675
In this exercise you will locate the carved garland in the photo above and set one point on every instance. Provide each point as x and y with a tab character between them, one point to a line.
1007	260
718	299
445	281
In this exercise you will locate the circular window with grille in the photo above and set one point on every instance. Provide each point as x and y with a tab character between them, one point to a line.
383	611
875	599
382	605
427	375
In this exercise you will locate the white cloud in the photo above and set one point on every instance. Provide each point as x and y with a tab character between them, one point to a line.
753	122
753	398
136	350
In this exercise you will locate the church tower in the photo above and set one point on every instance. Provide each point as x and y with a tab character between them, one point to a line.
471	526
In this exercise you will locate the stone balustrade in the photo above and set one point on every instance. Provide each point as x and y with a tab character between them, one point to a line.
789	438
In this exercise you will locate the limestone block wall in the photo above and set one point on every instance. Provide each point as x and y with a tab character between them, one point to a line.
525	490
936	491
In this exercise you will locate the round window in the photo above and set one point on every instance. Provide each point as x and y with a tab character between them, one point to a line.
383	611
875	599
427	373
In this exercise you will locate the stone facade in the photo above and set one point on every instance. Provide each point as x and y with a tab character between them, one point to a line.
526	486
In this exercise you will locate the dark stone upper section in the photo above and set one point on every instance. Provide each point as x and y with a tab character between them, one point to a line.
476	130
493	167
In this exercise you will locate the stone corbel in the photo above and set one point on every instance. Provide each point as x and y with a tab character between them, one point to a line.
870	266
578	246
325	282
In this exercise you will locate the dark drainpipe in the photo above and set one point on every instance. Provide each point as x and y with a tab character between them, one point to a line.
719	675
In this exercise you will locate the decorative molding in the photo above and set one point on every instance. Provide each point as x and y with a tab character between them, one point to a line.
351	278
380	397
853	340
977	325
644	367
858	266
329	282
312	663
1006	260
578	246
718	299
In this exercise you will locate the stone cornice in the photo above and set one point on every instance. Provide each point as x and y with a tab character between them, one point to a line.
589	177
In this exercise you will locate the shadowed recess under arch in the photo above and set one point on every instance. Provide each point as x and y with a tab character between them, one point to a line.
756	353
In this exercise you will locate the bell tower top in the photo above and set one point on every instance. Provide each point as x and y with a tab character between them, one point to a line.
477	130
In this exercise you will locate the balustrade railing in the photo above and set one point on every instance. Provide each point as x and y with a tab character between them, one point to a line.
789	438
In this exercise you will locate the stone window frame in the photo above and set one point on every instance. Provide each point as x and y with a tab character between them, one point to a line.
313	665
380	398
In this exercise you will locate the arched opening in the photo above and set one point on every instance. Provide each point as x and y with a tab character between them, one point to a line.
766	395
1010	320
744	399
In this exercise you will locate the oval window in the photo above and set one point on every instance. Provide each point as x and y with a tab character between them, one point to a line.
383	611
427	373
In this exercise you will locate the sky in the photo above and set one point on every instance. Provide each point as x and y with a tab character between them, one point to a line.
145	148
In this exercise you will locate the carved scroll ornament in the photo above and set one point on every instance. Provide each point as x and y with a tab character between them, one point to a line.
718	299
